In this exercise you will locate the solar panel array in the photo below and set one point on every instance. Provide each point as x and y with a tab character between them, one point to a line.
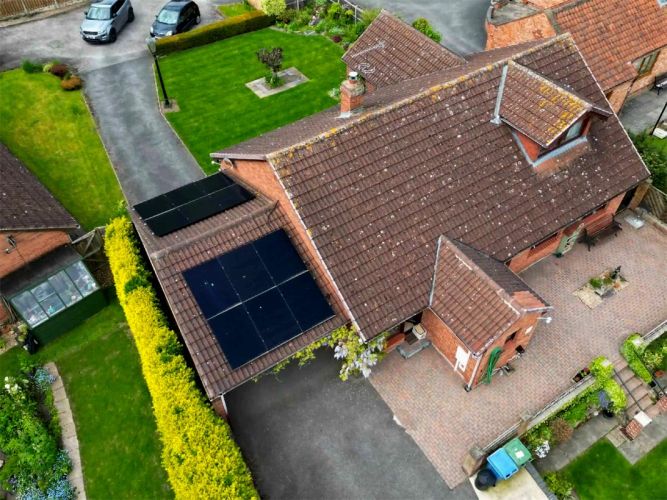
257	297
191	203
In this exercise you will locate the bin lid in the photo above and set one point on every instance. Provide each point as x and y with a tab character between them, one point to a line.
502	464
519	453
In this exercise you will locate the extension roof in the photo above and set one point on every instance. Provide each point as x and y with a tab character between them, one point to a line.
477	297
390	51
25	204
422	159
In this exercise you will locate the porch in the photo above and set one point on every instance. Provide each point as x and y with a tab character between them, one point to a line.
428	398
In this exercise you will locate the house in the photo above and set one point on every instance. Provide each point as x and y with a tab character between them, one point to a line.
416	201
43	279
624	42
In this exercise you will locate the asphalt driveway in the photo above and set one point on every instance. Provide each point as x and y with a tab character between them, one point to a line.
308	435
461	22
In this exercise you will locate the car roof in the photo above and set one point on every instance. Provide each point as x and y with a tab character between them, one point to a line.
103	3
176	5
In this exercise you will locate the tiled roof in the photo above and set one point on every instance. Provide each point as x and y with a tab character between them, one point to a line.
538	107
25	204
378	191
390	51
468	300
612	34
183	249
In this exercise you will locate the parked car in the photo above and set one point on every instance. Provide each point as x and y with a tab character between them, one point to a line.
105	19
175	17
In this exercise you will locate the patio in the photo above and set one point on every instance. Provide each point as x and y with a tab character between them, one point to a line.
641	111
445	421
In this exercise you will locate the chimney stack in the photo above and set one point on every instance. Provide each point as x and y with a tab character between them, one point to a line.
352	93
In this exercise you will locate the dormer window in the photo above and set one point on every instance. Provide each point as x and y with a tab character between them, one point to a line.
577	130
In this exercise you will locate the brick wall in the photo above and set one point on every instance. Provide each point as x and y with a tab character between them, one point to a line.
30	245
617	95
4	314
446	342
646	81
259	176
522	30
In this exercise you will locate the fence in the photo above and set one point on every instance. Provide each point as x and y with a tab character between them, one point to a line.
17	8
655	201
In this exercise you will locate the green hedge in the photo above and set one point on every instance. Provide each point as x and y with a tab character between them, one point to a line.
633	353
244	23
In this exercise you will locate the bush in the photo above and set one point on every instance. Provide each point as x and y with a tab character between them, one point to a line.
655	355
602	369
59	70
31	67
654	158
633	355
421	24
47	67
561	430
274	7
199	454
73	82
560	485
250	21
616	395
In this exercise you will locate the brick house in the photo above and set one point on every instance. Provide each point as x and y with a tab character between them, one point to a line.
623	42
43	280
419	198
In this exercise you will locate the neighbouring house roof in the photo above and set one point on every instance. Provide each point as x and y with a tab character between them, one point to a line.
473	294
390	51
423	159
190	246
25	204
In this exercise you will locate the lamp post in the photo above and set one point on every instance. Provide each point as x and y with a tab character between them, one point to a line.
657	122
152	47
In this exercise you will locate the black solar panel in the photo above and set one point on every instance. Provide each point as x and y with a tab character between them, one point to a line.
257	297
191	203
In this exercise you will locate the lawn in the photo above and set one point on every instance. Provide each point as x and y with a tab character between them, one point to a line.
234	9
52	132
99	364
216	108
603	473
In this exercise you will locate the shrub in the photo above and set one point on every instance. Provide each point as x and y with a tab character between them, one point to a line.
250	21
632	350
73	82
654	158
602	369
595	282
536	436
655	355
274	7
616	395
560	485
31	67
368	16
59	70
199	454
421	24
561	430
47	67
336	38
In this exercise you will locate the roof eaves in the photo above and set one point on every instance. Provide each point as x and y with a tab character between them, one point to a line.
231	155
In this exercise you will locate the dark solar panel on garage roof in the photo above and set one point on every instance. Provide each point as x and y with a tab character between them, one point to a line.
257	297
191	203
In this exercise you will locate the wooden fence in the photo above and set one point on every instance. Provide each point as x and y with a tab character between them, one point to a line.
17	8
655	201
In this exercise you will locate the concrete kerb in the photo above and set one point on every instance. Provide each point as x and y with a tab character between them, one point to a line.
68	429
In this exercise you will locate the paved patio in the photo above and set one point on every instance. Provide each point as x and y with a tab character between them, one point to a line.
445	421
642	111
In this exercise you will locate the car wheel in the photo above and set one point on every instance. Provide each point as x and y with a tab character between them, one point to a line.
130	16
112	35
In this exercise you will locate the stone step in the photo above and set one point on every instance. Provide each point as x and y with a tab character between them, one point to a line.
632	384
620	364
625	374
653	411
640	391
633	408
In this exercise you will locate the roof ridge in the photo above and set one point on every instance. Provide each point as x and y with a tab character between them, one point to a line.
275	156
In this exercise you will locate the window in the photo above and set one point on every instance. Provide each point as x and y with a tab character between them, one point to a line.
58	292
574	132
645	64
510	338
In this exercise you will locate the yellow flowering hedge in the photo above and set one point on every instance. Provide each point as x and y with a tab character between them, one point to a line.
199	454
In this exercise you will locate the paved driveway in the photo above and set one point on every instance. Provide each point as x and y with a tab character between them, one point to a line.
307	435
461	22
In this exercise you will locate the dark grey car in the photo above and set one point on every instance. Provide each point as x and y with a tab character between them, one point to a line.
105	19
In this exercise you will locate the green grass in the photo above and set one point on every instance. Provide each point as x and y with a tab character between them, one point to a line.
216	108
234	9
118	440
52	132
603	473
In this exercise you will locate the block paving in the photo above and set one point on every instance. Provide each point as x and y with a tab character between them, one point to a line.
428	398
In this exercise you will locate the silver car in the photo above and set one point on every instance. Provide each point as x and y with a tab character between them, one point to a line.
105	19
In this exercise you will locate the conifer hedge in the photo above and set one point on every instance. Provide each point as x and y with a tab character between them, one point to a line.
199	453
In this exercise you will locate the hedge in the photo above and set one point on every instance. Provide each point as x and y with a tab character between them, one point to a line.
232	26
199	454
632	354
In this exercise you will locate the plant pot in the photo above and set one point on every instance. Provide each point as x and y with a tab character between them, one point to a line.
659	373
607	413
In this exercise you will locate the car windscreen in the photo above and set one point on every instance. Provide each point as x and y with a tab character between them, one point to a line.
167	16
99	13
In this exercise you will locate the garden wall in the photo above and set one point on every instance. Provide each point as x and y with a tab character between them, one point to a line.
10	9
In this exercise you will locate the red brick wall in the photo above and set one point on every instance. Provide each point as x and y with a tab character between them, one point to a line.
446	342
522	30
646	81
260	176
617	96
531	147
30	246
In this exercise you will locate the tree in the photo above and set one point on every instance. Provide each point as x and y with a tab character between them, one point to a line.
274	7
273	60
422	24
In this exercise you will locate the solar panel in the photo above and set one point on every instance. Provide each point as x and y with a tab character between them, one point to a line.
191	203
257	297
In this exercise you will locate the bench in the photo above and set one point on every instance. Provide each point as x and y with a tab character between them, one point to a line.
660	82
591	237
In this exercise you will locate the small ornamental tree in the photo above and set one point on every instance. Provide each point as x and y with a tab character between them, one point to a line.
274	7
273	60
422	24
